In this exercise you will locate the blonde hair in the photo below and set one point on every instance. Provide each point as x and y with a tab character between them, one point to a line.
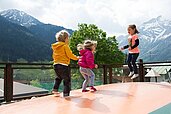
80	47
62	35
87	45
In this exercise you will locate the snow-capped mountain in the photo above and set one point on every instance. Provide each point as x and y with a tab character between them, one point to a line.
20	17
155	39
155	29
41	30
28	35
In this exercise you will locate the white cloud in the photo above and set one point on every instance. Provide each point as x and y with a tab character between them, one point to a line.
113	16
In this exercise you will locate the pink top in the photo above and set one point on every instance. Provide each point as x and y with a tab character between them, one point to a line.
87	59
131	40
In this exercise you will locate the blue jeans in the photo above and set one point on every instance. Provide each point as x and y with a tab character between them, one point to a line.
132	57
88	75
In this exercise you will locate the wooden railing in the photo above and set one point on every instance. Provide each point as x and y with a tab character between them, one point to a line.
8	76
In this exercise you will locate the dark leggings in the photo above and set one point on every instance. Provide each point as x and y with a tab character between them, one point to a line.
62	73
132	57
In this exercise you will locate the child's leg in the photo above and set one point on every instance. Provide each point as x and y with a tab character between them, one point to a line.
83	71
57	83
129	62
67	81
92	77
58	78
85	83
134	58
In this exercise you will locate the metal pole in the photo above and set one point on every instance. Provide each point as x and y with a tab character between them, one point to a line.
156	79
104	74
141	70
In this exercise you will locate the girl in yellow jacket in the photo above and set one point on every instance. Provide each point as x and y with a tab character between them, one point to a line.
61	58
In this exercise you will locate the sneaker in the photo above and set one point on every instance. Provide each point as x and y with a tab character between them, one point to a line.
66	95
134	76
85	90
93	89
56	93
131	74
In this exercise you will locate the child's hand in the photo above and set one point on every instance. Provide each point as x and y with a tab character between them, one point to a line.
129	48
121	48
96	66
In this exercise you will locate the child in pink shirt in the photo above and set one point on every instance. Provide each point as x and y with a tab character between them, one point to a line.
133	50
86	63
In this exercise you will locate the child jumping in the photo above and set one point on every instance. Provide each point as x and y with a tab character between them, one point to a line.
61	58
133	50
86	63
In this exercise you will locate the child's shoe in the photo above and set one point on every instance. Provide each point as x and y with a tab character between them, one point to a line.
131	74
55	92
93	89
85	90
134	76
66	95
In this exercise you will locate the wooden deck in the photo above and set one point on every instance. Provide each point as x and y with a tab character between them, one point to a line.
123	98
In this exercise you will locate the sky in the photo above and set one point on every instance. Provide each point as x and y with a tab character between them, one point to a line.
112	16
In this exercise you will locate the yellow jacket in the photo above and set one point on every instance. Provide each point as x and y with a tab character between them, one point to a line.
62	53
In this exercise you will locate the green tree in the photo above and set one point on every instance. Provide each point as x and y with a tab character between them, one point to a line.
107	51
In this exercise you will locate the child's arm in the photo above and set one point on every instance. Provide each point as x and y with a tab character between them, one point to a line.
125	47
136	44
69	53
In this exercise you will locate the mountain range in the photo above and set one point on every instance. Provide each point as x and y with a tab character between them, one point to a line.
24	37
155	40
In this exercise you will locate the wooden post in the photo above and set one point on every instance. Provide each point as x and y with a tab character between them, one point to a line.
110	75
8	83
104	74
155	78
141	70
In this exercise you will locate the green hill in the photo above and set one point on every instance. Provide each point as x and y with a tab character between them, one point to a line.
18	42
